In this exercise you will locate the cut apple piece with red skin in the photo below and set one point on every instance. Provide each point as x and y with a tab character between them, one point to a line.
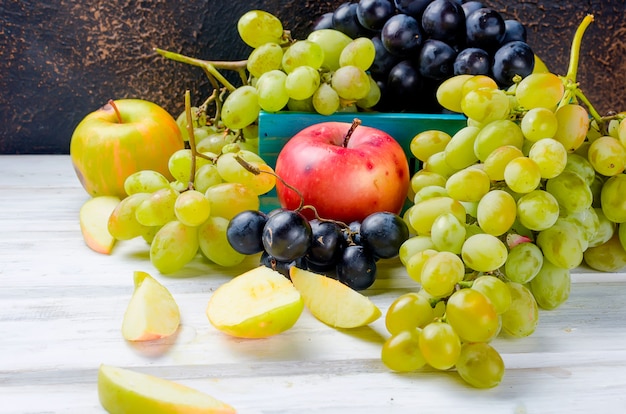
123	391
256	304
152	312
94	218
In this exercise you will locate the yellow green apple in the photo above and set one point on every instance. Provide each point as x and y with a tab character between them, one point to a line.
93	218
152	312
332	302
123	391
123	137
256	304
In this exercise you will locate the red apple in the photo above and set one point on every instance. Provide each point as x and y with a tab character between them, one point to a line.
346	171
119	139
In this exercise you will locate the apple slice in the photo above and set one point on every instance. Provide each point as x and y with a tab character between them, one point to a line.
94	219
125	391
332	302
256	304
152	312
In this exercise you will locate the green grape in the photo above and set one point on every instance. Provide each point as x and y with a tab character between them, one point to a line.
158	209
401	351
429	192
485	105
302	82
496	134
416	262
621	235
265	58
429	142
179	186
351	83
207	176
303	105
214	244
588	220
540	90
123	224
145	181
459	151
332	42
613	200
372	97
232	171
478	82
408	311
472	316
495	290
424	213
496	162
325	100
449	93
523	263
229	199
179	165
484	252
173	246
613	128
257	27
440	345
150	233
573	124
437	163
539	123
215	142
580	165
571	191
607	156
303	53
496	212
621	132
537	210
550	156
198	119
360	53
413	245
606	229
272	91
422	179
480	365
562	244
441	273
468	184
522	175
448	233
551	287
523	315
241	107
192	208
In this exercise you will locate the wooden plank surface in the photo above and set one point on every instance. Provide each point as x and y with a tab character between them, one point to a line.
61	307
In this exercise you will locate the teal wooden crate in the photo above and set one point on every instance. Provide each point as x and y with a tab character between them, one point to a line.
275	129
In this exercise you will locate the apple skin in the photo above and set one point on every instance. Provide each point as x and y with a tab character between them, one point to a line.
348	183
104	151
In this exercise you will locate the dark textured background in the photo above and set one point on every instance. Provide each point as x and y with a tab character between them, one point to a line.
62	59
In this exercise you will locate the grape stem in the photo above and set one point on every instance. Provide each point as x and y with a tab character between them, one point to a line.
192	140
116	109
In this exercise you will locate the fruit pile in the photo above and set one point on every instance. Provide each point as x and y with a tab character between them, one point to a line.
420	43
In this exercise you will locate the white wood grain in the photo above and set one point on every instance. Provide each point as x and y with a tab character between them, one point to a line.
61	307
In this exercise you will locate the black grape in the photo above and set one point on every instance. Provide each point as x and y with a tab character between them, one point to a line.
471	6
485	29
357	268
372	14
345	20
280	266
514	30
244	231
514	58
383	60
414	8
286	235
401	35
403	85
472	61
444	20
325	21
436	60
327	244
383	233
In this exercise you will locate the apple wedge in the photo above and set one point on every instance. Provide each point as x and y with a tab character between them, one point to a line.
256	304
332	302
124	391
152	312
94	218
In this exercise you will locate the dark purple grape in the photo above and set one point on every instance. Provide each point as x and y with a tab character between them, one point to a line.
325	21
326	245
280	266
514	30
414	8
472	61
514	58
485	29
403	85
471	6
372	14
444	20
436	60
244	231
383	233
286	235
357	268
383	60
345	21
401	35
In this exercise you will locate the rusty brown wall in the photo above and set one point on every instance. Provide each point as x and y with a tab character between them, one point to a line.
62	59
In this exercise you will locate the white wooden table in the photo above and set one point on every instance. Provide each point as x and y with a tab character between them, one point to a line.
61	307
